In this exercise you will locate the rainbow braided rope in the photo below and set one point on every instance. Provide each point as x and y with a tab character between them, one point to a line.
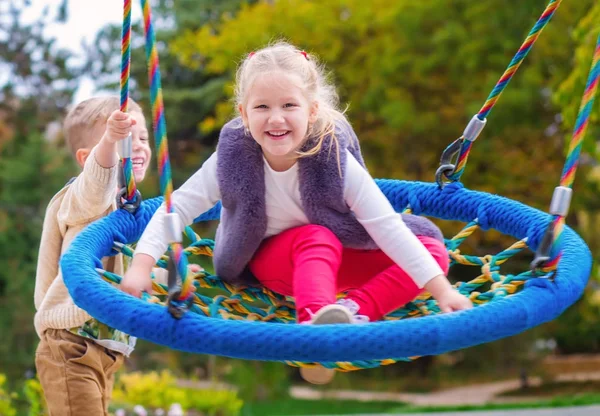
160	136
125	54
126	162
503	82
572	160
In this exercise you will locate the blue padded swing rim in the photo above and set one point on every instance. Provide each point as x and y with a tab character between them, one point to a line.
540	301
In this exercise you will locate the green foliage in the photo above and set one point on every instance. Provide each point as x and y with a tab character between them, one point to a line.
413	74
35	69
6	399
159	391
30	402
31	171
34	396
39	86
260	381
576	331
568	95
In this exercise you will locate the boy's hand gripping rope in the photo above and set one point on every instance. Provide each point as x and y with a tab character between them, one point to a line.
181	288
462	146
128	197
549	250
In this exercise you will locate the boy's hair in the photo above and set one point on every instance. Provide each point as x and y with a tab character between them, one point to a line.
284	57
86	115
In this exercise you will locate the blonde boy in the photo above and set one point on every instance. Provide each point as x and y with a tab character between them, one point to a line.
78	356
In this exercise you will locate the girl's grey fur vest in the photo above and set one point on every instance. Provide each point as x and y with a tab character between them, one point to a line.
240	173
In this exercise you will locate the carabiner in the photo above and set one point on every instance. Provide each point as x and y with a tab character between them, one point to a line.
176	307
446	166
542	254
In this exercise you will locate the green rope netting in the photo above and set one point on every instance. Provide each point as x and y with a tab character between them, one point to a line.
217	299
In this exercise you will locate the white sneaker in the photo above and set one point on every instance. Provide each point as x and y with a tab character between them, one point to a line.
353	307
330	314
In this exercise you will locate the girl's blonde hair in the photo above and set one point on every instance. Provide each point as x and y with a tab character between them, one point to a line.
285	57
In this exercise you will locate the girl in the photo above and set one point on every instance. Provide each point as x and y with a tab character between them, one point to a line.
301	214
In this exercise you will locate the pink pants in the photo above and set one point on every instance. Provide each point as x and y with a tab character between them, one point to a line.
310	264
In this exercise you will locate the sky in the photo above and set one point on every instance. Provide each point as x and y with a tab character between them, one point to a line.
86	18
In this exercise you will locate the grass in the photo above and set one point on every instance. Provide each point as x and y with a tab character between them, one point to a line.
557	402
295	407
550	395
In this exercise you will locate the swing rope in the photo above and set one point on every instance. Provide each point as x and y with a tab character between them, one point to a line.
180	286
128	191
463	144
549	252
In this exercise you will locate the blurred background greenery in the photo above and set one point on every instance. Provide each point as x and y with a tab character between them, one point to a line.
412	74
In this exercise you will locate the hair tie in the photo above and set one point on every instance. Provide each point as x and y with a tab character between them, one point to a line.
304	54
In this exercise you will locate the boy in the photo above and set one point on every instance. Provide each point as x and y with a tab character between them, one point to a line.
77	356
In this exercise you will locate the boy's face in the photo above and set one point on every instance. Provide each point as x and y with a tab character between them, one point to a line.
141	150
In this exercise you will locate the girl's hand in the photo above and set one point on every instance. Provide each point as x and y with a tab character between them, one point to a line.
447	297
451	301
137	278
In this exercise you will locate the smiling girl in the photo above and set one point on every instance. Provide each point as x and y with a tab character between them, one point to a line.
301	215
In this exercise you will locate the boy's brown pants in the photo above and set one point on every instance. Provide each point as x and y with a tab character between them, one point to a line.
76	374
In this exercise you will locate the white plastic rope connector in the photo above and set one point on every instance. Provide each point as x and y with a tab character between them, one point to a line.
561	201
474	128
173	227
124	147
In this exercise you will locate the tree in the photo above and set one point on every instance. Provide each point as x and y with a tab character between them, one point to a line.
577	330
190	95
39	87
39	79
413	74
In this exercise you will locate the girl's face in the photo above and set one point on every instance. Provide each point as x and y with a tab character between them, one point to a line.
278	115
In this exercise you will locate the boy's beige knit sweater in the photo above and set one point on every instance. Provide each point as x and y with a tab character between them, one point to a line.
89	197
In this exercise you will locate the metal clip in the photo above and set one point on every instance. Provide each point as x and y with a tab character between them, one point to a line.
542	254
446	166
121	177
176	308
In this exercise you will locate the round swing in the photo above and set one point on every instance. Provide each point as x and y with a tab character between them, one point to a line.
250	322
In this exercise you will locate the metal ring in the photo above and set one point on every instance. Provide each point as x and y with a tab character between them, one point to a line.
129	206
176	308
445	170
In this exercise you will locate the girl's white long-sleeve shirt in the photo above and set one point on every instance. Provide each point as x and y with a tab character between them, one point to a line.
284	210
